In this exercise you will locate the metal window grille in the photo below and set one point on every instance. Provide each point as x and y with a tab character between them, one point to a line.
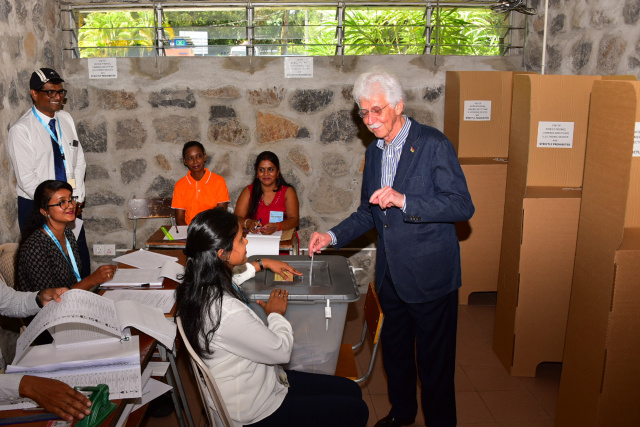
289	29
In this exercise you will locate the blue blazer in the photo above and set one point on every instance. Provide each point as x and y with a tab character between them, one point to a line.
420	246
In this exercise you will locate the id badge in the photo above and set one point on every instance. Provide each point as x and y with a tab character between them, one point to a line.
72	182
276	216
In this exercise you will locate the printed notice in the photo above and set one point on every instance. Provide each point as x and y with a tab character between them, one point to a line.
298	67
477	111
636	141
555	134
103	68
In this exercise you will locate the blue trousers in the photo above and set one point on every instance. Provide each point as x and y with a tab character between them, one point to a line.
317	400
25	206
419	340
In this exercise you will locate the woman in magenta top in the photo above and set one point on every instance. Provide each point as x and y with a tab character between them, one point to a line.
269	203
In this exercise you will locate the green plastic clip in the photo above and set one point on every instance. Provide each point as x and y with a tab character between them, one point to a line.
101	406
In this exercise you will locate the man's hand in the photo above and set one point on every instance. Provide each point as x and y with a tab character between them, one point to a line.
56	397
387	197
51	294
318	241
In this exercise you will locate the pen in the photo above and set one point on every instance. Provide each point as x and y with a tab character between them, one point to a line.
166	233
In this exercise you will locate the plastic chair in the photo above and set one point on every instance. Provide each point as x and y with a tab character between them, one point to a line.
209	392
8	255
373	319
153	207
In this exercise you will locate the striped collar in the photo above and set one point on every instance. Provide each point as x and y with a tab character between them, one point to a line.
205	179
398	142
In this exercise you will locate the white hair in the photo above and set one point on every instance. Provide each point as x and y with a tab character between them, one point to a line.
375	82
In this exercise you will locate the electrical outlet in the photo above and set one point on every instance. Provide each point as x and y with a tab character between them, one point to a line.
110	250
98	250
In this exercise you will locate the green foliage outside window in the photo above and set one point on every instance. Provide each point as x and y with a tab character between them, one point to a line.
305	31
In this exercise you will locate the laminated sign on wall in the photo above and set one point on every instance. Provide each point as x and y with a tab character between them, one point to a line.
555	134
479	111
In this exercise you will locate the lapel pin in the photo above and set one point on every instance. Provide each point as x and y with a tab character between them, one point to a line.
413	150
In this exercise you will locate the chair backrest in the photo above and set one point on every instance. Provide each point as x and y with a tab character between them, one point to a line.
8	255
152	207
219	416
373	314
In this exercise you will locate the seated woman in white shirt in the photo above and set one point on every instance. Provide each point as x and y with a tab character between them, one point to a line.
242	353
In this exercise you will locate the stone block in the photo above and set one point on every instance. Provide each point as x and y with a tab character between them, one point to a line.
161	187
557	24
610	53
335	164
116	100
300	159
303	133
132	170
177	129
218	112
432	93
338	126
271	127
96	172
270	96
102	225
5	10
580	54
223	166
104	197
130	134
327	198
92	138
78	98
224	92
180	98
228	132
162	162
310	100
631	11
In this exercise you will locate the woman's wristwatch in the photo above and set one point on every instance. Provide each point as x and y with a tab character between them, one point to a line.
259	261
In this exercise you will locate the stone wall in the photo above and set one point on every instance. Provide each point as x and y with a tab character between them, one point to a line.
585	37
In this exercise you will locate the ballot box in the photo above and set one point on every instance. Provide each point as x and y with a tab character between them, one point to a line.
317	331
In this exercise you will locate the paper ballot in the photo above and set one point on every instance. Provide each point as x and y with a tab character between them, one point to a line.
144	259
263	244
83	317
178	232
131	277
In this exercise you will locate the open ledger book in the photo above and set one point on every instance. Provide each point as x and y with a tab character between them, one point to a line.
91	342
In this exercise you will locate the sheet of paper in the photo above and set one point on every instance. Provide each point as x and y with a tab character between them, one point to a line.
178	232
172	270
261	244
162	299
134	277
144	259
116	364
153	389
149	320
158	368
287	234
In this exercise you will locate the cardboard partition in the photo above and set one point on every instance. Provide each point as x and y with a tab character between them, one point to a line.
601	368
481	236
547	144
477	112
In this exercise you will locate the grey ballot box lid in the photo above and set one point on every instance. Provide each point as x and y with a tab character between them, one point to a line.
333	279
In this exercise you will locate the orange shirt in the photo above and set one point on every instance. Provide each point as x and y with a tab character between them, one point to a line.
196	196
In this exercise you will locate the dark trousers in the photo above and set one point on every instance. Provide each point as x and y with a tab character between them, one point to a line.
25	206
316	400
422	334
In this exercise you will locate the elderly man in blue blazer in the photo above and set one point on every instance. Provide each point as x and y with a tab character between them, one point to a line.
413	191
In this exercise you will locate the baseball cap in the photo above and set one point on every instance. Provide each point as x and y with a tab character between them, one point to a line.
42	76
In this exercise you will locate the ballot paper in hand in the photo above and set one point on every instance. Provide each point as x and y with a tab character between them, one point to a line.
152	277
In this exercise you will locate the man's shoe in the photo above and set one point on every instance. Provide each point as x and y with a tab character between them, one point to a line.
390	421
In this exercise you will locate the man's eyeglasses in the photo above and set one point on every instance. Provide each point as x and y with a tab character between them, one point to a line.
53	93
376	111
64	204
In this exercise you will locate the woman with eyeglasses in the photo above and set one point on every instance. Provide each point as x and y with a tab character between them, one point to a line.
48	256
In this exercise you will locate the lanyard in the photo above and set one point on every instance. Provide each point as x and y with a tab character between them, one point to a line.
53	135
241	294
71	260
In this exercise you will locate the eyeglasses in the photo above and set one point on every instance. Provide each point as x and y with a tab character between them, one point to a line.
53	93
64	204
376	111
